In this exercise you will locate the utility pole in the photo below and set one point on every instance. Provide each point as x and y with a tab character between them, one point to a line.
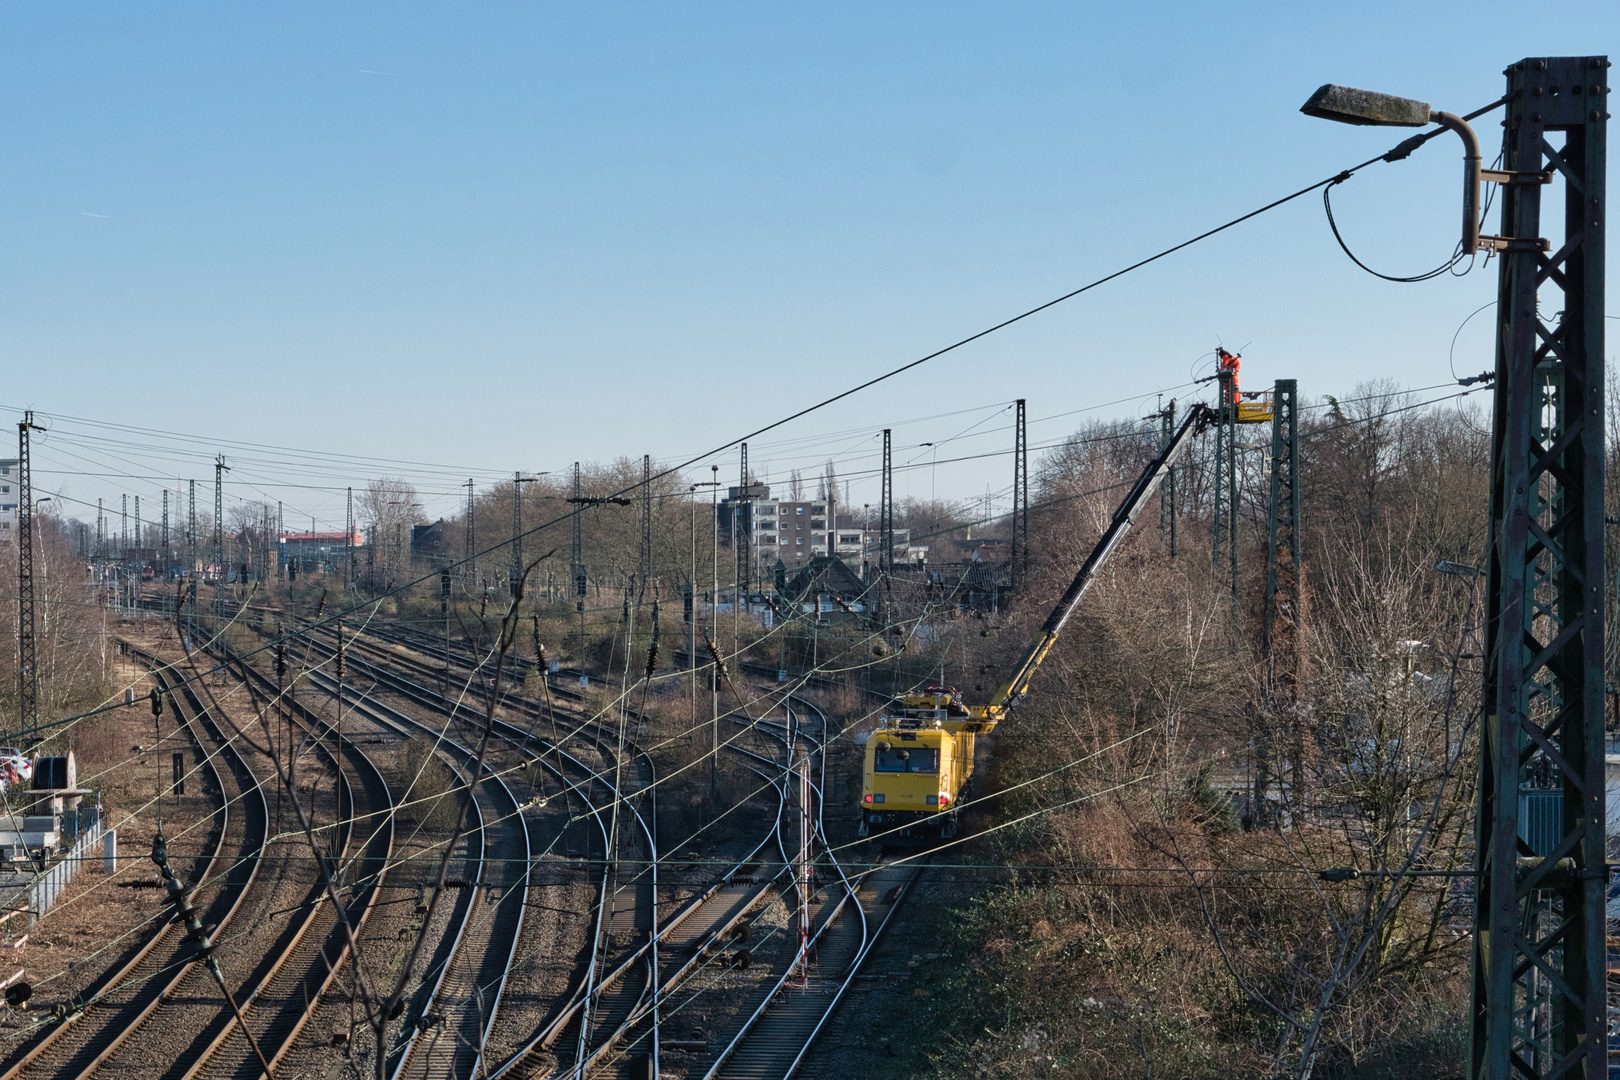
138	538
742	535
580	502
101	530
886	509
1020	512
518	480
1279	635
123	528
1223	530
348	536
1167	490
163	535
1538	942
191	529
471	541
280	531
577	560
220	469
27	657
691	601
714	631
644	566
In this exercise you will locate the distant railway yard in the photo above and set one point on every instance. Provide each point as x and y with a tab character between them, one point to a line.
592	911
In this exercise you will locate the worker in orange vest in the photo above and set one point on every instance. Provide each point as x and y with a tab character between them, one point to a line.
1229	364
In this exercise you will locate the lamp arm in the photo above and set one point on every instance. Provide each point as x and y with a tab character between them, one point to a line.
1471	176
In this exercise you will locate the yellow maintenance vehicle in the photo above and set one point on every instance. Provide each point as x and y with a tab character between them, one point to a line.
919	761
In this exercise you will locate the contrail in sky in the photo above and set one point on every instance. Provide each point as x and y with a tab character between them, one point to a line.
365	71
87	213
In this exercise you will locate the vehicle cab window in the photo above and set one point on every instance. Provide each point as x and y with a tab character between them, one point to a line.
907	759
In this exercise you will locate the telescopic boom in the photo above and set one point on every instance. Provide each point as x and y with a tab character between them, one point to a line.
985	717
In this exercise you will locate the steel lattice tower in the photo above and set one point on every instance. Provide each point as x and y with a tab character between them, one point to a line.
886	508
220	469
348	535
516	574
1020	511
138	544
164	535
191	528
742	531
123	527
1282	610
1223	529
1538	992
577	552
644	570
27	654
471	539
1167	490
101	529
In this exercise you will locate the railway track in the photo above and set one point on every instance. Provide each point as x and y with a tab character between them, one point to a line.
306	957
624	1012
618	970
145	987
449	1019
607	1026
846	919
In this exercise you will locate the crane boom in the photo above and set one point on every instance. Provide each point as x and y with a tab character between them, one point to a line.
985	717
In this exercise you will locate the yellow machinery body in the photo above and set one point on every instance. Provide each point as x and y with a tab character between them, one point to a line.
918	764
1256	410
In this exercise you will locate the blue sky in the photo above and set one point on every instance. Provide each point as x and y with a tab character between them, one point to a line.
510	237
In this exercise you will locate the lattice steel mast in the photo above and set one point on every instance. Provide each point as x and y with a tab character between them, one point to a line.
1020	511
644	564
1540	913
1223	529
1167	490
220	469
27	652
886	509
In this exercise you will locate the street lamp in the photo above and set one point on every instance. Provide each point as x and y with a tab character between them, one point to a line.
1347	105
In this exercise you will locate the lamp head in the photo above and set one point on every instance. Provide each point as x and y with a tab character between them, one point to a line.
1347	105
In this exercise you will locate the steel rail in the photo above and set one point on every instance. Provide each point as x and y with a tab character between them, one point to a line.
203	867
311	977
504	928
239	879
773	1044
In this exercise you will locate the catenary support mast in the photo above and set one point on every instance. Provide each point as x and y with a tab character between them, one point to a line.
27	653
1020	494
220	469
1538	991
1167	490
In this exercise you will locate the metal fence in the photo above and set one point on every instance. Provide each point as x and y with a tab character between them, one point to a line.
43	893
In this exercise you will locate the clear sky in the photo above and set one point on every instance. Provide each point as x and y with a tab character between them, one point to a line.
498	237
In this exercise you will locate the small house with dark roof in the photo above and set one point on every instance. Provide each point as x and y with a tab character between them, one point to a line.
825	587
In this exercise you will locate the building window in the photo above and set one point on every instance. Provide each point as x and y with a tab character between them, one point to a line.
801	541
799	511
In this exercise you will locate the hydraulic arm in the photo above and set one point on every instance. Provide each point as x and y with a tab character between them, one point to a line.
982	718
